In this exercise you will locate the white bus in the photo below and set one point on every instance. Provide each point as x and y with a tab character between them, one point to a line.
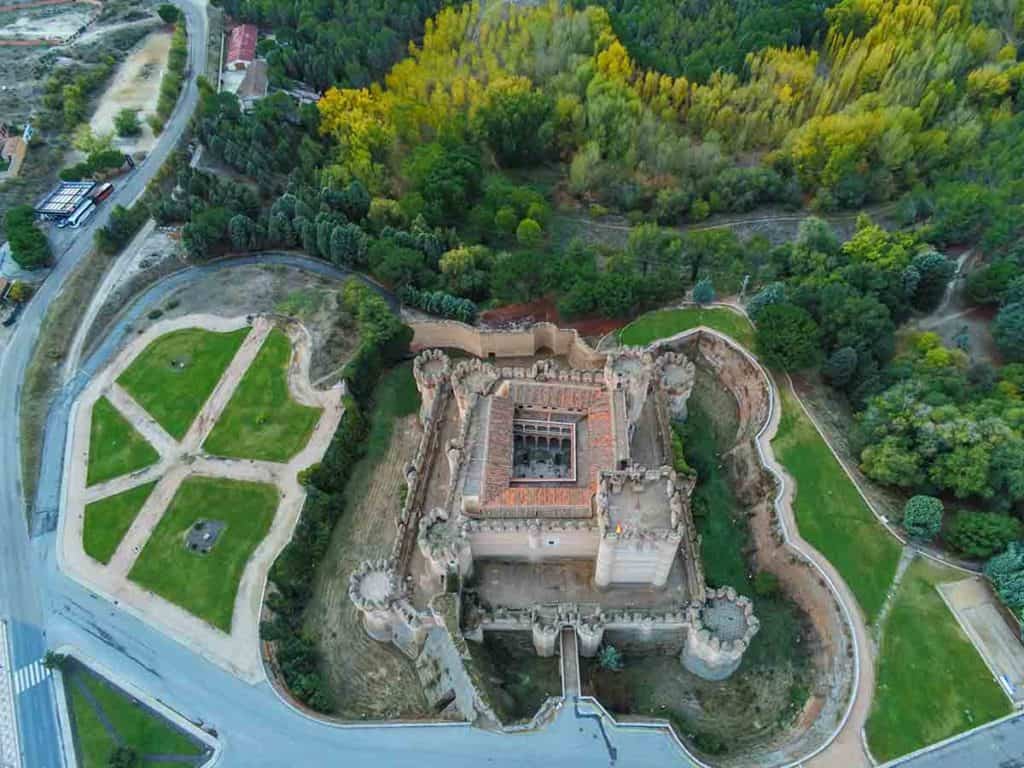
82	214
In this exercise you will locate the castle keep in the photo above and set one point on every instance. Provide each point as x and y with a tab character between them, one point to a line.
543	497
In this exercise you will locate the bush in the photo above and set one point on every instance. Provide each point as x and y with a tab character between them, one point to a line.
922	517
127	123
766	584
983	534
1006	571
609	658
169	13
529	233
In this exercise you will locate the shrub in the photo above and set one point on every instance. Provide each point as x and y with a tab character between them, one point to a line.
922	517
127	123
169	13
983	534
1006	570
766	584
609	658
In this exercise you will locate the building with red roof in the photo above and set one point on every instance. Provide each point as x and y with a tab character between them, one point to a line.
241	46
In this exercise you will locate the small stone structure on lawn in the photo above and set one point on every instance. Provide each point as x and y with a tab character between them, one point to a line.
553	504
203	535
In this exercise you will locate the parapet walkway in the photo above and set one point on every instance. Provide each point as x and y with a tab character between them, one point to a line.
570	664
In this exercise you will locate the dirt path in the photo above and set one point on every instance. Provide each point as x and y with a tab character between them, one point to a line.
238	651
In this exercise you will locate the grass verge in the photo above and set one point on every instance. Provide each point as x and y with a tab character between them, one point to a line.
830	512
206	585
55	336
115	448
108	520
932	684
95	705
173	377
261	421
668	322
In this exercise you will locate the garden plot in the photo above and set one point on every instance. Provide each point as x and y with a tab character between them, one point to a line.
186	540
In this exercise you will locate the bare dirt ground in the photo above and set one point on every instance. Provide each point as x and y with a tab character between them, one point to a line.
47	22
314	300
136	86
369	680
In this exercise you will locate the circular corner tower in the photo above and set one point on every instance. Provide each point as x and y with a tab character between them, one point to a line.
720	632
373	589
675	374
431	368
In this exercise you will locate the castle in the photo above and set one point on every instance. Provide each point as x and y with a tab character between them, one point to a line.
544	495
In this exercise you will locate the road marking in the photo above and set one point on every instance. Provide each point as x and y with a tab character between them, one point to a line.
30	676
10	753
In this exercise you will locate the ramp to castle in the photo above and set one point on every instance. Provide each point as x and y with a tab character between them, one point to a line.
570	663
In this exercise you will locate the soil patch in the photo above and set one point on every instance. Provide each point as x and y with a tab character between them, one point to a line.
367	679
545	310
136	86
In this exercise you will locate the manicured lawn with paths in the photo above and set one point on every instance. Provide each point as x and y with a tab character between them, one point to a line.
668	322
174	376
137	727
115	448
107	520
932	684
831	514
206	585
261	421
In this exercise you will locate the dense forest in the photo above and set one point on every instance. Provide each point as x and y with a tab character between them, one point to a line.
450	139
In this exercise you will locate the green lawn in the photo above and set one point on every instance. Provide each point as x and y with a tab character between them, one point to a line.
108	520
137	727
932	683
668	322
206	585
262	421
831	514
115	448
174	376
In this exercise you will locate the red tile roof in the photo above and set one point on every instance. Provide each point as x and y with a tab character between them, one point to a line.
242	43
500	498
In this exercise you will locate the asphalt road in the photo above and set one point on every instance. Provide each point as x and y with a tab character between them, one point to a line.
22	600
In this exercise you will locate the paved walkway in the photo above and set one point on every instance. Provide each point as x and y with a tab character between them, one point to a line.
238	651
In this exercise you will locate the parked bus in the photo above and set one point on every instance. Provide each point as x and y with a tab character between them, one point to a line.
102	192
82	214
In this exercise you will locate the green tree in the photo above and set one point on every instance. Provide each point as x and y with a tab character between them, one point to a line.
787	337
515	121
169	13
127	123
29	246
922	517
983	534
529	233
773	293
704	291
1008	331
840	367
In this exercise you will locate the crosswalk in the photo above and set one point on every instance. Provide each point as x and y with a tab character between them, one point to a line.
30	676
10	754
